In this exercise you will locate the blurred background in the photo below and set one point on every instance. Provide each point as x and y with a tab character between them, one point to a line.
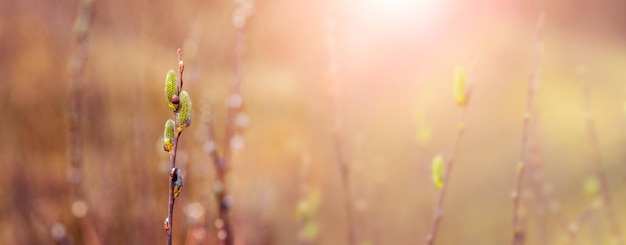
395	61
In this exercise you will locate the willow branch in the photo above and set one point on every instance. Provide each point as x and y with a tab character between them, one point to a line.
598	166
430	239
77	67
516	229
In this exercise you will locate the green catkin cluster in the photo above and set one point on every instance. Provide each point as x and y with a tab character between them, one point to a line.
180	103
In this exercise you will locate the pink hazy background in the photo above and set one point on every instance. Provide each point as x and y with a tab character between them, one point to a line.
395	60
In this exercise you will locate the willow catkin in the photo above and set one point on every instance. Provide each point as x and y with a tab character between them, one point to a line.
168	135
460	86
438	171
171	89
184	114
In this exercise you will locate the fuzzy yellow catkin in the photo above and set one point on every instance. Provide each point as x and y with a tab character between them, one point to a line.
591	187
309	231
168	135
171	88
303	210
460	86
438	171
307	207
184	114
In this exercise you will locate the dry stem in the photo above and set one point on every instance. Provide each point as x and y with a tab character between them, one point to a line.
430	239
77	65
598	166
340	145
517	233
170	209
234	104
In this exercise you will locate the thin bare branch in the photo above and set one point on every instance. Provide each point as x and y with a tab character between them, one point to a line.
516	229
430	239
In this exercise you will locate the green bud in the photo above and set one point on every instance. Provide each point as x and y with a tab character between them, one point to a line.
171	89
184	114
81	26
591	187
309	232
308	206
438	171
168	135
460	86
303	210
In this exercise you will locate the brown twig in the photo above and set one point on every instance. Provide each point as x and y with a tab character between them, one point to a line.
340	145
172	153
517	231
430	239
537	184
223	222
221	195
170	208
77	67
225	235
597	163
541	186
573	228
539	201
544	199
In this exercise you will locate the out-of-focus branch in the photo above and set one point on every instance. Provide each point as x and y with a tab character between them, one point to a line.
77	65
338	138
241	15
463	101
598	166
516	228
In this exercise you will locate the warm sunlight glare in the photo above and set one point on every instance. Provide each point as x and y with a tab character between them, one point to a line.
416	11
